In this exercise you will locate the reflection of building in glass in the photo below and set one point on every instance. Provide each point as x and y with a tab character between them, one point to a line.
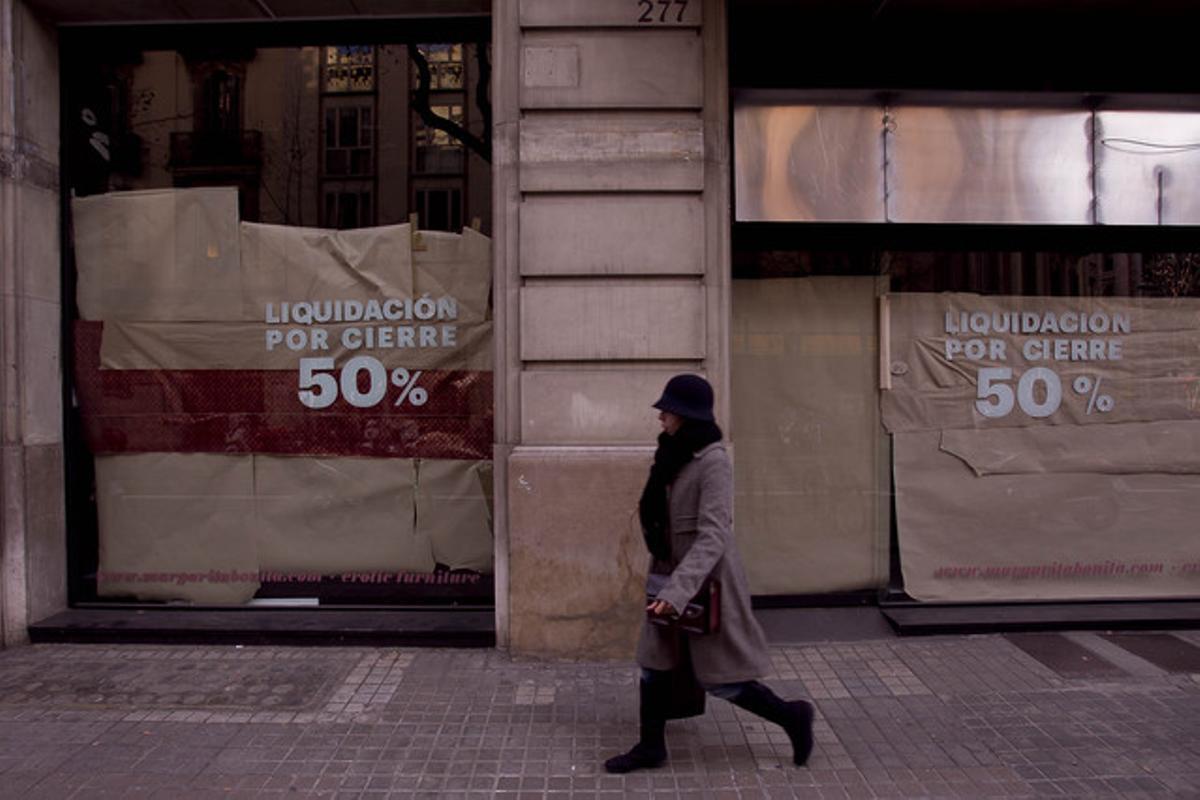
220	149
313	136
349	69
348	101
439	158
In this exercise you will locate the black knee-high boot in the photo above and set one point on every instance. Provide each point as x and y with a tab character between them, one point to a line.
651	749
795	717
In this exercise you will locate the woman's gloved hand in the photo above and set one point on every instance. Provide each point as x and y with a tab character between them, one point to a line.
661	608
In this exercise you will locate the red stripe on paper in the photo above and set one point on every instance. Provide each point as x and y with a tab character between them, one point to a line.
259	411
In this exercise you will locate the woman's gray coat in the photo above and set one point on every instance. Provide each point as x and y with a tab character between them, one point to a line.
700	526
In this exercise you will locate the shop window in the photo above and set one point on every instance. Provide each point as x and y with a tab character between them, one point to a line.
244	436
1025	419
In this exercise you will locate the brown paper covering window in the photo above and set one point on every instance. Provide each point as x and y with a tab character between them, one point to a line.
1039	524
201	528
1090	502
809	453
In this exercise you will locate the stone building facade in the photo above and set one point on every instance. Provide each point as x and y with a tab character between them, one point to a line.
802	278
610	237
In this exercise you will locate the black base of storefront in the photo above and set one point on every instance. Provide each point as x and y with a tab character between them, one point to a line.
916	619
439	627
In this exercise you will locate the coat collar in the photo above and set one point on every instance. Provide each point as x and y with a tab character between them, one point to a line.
703	451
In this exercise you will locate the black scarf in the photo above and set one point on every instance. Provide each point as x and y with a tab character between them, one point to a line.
674	451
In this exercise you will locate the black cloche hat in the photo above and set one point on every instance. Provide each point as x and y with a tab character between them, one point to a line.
689	396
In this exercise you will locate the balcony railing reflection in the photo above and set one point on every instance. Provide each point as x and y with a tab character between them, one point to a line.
209	149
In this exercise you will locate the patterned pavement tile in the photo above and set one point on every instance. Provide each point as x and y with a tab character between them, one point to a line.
967	716
168	683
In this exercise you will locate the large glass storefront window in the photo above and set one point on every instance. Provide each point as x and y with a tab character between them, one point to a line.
281	365
1028	421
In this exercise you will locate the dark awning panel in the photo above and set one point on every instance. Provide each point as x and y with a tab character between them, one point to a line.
141	11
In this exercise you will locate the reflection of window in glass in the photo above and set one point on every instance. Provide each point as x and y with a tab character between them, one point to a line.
436	150
348	208
221	103
348	139
445	66
350	68
439	209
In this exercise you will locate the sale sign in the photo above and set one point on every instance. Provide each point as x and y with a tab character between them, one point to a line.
278	339
1043	447
970	361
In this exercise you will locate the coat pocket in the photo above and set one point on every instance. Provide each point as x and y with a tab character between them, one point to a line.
685	523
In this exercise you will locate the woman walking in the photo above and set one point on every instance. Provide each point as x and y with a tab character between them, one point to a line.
686	512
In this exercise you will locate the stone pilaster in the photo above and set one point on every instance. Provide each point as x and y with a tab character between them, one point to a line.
32	538
612	275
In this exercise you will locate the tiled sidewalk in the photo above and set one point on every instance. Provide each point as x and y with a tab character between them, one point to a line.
965	716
